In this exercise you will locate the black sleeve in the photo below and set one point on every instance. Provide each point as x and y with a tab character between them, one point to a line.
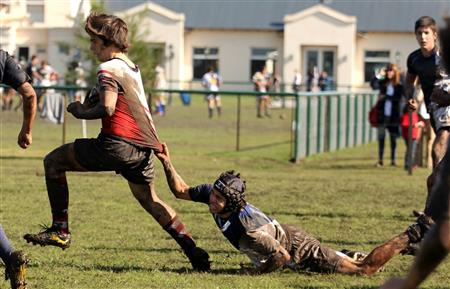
13	74
201	193
409	64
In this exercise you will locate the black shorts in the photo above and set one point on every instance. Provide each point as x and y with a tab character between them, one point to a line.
308	254
110	153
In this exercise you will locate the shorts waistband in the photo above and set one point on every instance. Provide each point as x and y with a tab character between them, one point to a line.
103	136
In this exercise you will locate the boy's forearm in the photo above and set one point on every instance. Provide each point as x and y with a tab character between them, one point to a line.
175	182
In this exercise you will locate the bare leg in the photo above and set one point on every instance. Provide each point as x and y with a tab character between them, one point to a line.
218	105
210	106
429	143
439	149
167	218
146	195
260	106
377	258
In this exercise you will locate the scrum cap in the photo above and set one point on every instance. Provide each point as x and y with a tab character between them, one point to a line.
232	187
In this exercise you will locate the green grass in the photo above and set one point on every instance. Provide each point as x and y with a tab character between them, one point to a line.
339	197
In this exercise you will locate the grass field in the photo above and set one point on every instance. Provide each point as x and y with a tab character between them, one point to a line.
339	197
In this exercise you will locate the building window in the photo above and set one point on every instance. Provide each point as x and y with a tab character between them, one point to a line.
36	10
259	57
23	54
374	61
203	59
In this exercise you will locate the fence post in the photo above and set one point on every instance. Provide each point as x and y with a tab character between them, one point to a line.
355	121
296	128
370	128
338	123
319	124
347	122
329	109
238	122
65	119
364	119
308	124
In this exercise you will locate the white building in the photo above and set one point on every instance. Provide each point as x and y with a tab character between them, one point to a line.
348	39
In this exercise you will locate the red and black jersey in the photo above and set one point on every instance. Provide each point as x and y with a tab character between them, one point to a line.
131	120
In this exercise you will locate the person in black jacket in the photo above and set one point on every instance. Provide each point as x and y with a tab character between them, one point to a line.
391	92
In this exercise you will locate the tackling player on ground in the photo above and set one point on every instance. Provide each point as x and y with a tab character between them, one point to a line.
268	244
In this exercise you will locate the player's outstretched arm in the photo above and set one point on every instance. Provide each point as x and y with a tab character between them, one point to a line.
176	184
29	112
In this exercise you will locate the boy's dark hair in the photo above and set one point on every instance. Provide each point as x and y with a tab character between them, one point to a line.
425	21
232	187
109	28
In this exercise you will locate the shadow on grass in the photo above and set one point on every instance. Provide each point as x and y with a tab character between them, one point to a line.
136	268
333	215
264	146
350	243
250	148
20	158
157	250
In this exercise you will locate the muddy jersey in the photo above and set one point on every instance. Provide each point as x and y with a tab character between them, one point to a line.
426	69
10	71
131	119
249	230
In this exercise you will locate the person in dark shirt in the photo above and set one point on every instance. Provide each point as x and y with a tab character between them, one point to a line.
436	244
424	65
391	93
11	74
268	244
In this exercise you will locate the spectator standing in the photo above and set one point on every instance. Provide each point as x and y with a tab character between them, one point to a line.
296	84
33	70
261	81
212	81
417	124
324	81
80	82
160	83
391	91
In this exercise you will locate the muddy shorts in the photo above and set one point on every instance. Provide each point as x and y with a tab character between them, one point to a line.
110	153
440	116
308	254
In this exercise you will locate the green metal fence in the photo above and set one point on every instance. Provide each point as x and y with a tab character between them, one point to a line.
331	121
319	122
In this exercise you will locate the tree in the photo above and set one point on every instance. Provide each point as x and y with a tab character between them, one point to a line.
140	52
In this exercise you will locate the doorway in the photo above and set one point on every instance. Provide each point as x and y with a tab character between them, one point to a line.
317	60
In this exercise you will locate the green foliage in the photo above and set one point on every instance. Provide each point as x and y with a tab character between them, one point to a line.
140	52
339	197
